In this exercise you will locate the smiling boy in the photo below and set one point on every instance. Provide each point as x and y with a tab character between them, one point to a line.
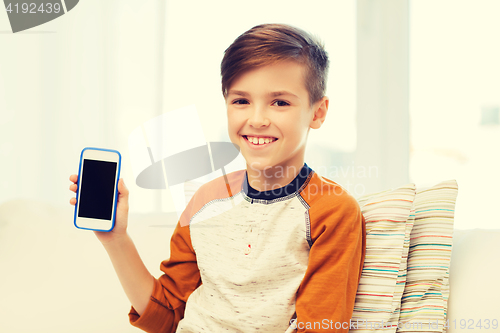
269	116
264	247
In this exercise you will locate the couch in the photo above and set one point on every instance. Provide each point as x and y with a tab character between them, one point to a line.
56	278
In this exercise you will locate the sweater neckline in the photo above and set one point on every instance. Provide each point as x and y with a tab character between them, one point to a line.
281	192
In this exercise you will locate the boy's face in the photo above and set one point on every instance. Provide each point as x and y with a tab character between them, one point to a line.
269	115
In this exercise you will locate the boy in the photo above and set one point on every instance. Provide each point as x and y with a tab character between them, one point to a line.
268	246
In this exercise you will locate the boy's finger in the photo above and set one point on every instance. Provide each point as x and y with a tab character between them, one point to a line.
122	188
72	201
123	196
73	178
73	187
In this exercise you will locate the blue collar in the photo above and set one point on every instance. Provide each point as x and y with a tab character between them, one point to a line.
284	191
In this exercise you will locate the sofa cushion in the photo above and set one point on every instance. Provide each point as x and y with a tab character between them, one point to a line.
474	271
388	226
424	302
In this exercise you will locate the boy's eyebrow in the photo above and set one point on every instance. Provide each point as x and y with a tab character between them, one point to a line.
281	93
272	94
237	92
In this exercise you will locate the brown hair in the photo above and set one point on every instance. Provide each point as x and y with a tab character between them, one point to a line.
269	43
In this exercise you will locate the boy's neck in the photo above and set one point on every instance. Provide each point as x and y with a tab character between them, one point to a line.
273	177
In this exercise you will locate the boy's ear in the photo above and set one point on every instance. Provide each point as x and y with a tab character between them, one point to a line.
320	109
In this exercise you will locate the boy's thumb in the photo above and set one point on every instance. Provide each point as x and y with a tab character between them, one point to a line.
122	188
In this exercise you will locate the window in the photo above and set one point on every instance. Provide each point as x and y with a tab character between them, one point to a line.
455	101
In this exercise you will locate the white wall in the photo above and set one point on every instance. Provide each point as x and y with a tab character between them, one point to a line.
85	79
382	93
93	75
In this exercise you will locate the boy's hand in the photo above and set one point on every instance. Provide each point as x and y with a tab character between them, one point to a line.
121	221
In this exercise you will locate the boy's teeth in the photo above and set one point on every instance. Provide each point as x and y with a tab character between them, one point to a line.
259	141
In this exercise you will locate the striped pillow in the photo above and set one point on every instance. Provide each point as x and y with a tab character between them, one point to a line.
400	286
425	298
388	226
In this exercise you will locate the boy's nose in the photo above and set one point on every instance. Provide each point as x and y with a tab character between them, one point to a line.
258	118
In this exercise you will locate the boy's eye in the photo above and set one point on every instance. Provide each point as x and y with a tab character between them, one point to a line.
281	103
240	101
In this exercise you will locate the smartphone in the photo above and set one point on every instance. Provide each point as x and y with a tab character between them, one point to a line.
97	192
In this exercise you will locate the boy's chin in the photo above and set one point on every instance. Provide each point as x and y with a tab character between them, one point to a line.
263	167
258	166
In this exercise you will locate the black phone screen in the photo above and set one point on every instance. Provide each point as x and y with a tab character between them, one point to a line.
97	189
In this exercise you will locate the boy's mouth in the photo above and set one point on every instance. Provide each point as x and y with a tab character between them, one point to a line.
260	140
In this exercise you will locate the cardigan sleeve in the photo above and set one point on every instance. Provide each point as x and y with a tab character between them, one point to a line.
325	298
170	293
